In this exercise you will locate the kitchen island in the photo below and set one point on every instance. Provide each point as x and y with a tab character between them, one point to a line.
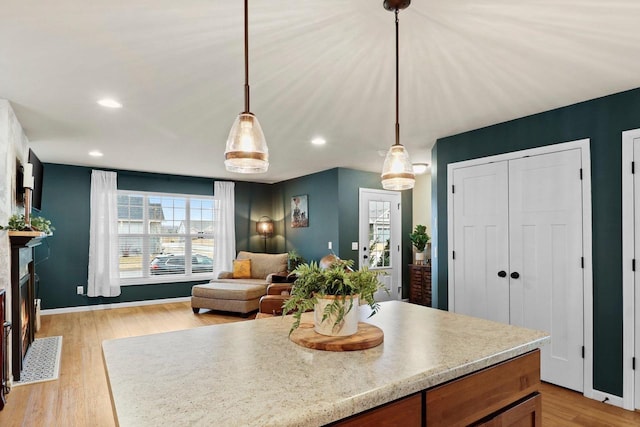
250	373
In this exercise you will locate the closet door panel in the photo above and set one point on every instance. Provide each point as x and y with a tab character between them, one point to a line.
480	210
545	234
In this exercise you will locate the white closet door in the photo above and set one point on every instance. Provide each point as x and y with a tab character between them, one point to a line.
480	211
636	275
545	232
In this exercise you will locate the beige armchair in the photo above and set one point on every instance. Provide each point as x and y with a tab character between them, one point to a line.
238	292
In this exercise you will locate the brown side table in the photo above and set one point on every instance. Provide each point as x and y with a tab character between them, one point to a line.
420	284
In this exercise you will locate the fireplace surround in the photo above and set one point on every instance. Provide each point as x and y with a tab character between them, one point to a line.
23	314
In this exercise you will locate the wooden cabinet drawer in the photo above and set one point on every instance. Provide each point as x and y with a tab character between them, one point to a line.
406	412
526	413
469	399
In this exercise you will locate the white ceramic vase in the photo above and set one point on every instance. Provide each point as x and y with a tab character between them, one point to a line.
347	326
419	258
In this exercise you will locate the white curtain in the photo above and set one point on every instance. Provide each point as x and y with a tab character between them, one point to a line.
103	277
224	229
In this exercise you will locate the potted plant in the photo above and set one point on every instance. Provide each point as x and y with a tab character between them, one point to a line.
334	293
294	260
38	223
419	239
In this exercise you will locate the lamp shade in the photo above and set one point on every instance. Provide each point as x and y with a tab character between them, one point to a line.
397	171
264	226
420	168
246	150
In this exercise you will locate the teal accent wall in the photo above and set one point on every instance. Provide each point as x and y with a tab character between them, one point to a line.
333	216
253	201
602	120
62	261
322	191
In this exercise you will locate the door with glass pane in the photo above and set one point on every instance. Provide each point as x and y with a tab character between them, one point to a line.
380	238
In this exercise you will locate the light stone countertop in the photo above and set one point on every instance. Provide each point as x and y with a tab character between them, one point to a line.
251	374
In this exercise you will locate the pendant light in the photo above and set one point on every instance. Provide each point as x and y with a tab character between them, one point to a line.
246	150
397	172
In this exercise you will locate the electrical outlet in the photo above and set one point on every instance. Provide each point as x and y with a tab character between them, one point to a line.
330	245
354	246
79	290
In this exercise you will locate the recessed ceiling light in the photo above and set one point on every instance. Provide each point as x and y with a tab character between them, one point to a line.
96	153
318	141
109	103
420	168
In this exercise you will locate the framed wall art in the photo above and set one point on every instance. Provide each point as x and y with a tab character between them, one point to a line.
299	211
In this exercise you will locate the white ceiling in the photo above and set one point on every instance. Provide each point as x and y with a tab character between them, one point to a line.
318	67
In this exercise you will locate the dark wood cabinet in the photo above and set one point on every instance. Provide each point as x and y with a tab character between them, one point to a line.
420	284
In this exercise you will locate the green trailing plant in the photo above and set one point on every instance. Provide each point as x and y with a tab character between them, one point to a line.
42	224
338	280
38	223
16	223
419	237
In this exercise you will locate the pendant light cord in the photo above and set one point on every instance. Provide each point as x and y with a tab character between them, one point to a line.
246	56
397	84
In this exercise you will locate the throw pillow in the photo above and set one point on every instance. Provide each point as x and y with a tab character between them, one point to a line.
242	269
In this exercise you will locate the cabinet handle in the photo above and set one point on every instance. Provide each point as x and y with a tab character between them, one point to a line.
515	275
364	257
502	273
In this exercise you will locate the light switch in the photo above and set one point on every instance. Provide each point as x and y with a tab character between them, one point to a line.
354	246
330	245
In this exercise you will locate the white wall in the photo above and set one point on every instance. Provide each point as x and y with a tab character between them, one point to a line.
14	146
422	201
422	205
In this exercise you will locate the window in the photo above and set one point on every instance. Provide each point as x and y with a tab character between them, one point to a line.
165	237
379	234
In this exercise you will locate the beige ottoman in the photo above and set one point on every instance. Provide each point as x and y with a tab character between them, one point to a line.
228	296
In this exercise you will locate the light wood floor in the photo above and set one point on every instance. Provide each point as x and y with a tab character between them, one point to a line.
80	397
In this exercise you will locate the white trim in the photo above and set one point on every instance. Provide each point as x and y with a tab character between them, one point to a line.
611	399
167	278
628	276
584	146
145	235
587	251
396	233
112	306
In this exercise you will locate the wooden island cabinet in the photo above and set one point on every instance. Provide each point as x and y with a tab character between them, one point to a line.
506	394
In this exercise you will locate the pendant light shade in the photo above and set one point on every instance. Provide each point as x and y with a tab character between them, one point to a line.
246	150
397	171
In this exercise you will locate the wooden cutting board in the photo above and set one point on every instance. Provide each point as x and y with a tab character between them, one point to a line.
368	336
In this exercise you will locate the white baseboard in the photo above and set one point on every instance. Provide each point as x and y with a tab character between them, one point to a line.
607	398
112	306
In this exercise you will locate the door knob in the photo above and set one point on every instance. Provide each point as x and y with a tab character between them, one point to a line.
515	275
502	273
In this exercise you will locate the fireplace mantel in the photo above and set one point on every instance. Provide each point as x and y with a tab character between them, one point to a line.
26	239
